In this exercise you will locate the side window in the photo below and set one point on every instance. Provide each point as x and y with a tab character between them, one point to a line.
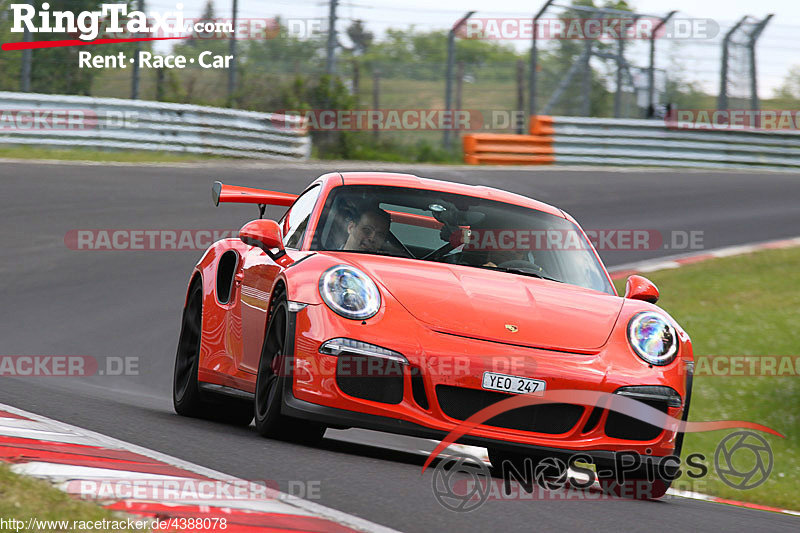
297	217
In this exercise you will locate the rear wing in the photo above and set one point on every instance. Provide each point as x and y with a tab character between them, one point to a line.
246	195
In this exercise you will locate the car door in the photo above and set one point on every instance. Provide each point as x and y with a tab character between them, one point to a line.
259	272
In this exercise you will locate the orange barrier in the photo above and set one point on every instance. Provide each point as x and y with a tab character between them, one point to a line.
541	125
512	149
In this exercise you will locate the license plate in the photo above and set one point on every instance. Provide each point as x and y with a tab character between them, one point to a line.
514	384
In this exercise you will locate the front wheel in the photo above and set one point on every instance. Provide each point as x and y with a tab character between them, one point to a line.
273	375
185	391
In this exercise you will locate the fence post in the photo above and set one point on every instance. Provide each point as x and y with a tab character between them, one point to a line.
652	66
356	78
160	84
751	45
330	60
519	119
448	80
137	49
534	61
234	58
459	92
586	85
27	59
618	91
376	100
722	98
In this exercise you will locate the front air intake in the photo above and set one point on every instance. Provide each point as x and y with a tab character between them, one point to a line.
552	418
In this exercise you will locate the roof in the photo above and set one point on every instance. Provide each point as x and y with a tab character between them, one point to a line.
415	182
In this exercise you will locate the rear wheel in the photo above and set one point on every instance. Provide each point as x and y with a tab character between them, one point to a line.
185	391
273	375
187	398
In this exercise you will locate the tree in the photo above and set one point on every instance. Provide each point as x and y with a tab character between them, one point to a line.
790	88
209	15
54	70
360	37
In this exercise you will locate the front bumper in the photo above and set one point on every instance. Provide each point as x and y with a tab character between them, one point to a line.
442	364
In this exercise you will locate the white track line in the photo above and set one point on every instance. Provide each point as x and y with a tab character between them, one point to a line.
299	503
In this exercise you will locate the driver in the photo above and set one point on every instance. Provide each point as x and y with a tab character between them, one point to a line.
498	257
369	232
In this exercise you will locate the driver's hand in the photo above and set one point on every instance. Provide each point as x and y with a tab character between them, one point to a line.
489	264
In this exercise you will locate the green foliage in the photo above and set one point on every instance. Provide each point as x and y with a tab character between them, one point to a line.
365	146
360	37
745	305
54	70
790	89
10	62
407	53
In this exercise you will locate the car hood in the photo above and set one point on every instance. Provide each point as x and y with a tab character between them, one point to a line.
496	306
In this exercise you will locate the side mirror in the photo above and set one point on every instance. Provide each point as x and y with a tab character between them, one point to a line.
264	234
641	288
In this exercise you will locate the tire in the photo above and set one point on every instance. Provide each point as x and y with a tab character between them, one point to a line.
270	383
187	398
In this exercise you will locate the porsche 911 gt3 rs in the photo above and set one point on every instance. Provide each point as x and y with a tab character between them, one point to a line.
404	304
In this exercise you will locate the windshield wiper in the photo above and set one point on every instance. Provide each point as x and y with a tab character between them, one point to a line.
525	272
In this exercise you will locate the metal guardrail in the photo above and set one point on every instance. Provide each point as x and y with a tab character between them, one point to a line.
627	142
111	123
600	141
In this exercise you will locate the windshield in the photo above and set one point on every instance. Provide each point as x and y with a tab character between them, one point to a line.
461	230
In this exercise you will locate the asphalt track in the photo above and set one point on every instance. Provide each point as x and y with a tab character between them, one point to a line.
127	303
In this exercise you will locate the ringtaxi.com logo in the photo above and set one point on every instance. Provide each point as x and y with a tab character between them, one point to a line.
87	23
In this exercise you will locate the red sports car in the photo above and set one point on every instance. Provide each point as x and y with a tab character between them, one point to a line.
404	304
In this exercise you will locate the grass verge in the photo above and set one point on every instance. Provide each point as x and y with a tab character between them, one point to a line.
86	154
23	498
746	305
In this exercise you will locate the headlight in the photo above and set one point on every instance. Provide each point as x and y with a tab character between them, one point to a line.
653	338
349	292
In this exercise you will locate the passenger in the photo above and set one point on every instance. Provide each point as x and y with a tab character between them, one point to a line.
343	214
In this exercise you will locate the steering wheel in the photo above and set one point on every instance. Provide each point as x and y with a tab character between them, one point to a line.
521	263
393	244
